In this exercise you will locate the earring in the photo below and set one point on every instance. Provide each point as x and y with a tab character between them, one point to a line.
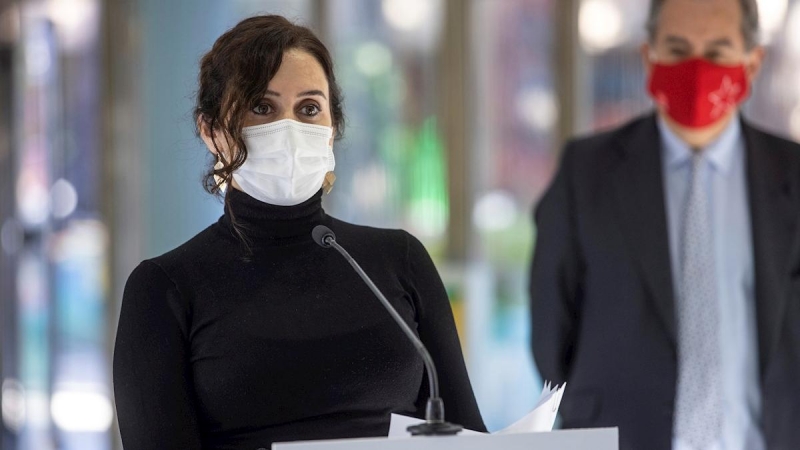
327	184
218	179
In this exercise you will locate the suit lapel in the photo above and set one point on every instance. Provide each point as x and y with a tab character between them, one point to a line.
638	182
773	223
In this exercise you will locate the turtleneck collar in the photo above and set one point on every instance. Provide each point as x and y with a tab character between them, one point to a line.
265	223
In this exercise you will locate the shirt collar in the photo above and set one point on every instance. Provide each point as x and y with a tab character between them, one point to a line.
719	153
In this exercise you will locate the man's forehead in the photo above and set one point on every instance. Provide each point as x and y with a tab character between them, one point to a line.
700	19
701	10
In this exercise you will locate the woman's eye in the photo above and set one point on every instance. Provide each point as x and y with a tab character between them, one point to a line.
310	110
262	109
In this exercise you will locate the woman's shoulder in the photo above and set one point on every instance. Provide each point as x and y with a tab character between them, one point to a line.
148	273
362	235
209	240
193	252
379	241
152	294
171	278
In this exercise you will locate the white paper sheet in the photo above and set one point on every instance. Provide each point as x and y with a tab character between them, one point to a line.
543	416
541	419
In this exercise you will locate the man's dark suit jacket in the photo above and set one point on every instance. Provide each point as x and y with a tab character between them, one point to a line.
602	301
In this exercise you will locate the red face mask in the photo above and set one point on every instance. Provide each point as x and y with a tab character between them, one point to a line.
696	93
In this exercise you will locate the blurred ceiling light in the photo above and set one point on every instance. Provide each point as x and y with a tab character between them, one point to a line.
419	22
75	20
793	31
495	211
37	403
81	410
538	108
373	59
408	15
771	14
370	186
13	406
600	25
33	200
428	217
63	198
81	239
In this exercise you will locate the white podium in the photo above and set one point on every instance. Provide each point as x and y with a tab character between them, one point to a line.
588	439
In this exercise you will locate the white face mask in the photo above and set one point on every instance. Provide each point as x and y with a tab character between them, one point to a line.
286	161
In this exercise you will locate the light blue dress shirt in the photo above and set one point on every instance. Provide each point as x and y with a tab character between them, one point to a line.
726	179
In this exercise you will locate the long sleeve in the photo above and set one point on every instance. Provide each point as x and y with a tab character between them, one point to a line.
437	330
555	279
152	377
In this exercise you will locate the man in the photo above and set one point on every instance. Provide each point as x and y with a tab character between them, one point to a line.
665	285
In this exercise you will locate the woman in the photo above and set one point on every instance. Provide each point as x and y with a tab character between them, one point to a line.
250	333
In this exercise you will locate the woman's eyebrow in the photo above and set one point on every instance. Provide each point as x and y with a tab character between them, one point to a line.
309	93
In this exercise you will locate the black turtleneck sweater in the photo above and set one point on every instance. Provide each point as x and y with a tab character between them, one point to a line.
220	347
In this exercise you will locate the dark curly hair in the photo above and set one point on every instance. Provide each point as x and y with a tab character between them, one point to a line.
234	76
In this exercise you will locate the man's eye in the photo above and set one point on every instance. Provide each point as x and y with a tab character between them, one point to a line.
677	52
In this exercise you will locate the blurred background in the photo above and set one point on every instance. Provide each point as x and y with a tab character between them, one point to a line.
456	112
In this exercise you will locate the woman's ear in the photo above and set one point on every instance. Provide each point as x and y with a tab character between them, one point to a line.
205	134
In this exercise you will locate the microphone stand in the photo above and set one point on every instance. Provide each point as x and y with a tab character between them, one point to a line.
434	424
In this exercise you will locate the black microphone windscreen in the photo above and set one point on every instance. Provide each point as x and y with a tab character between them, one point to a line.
320	233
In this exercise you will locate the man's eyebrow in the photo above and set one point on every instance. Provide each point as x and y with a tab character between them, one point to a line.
721	42
671	39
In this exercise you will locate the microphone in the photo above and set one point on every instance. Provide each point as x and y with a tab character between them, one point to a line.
435	424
